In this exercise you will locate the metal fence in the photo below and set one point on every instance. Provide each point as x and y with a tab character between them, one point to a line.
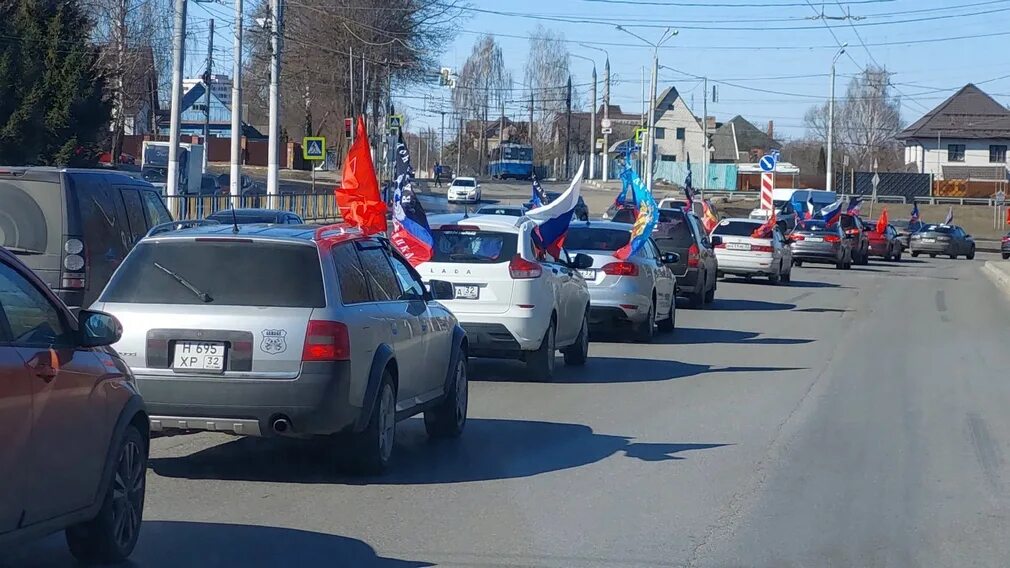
310	207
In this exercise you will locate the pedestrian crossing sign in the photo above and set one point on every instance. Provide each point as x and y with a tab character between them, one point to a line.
314	148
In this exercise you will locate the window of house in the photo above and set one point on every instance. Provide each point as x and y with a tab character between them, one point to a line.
997	153
955	152
660	133
668	158
681	133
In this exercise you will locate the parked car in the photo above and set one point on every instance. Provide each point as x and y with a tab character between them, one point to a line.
514	301
950	240
465	189
905	230
815	241
639	291
74	455
249	216
697	267
856	230
581	209
310	332
885	245
507	210
742	254
73	227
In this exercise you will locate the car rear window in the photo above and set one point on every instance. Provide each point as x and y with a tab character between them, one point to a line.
31	216
588	238
473	246
243	218
940	229
814	227
735	228
231	273
510	211
673	230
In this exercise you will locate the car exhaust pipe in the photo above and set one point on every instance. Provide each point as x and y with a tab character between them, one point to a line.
281	425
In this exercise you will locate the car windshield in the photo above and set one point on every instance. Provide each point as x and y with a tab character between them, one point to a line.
464	183
592	238
729	228
469	245
231	272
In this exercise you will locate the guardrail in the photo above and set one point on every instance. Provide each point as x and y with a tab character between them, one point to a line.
312	208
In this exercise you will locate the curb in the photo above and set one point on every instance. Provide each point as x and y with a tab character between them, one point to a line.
1000	278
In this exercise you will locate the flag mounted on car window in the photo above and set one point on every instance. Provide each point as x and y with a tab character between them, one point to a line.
708	217
540	197
411	233
950	216
689	186
914	217
358	195
554	218
648	214
882	222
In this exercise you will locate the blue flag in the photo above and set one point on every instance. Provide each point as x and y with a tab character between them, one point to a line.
648	213
540	197
914	218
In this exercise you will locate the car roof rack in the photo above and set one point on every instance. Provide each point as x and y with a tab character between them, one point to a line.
178	226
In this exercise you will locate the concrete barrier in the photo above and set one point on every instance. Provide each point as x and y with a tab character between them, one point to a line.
999	272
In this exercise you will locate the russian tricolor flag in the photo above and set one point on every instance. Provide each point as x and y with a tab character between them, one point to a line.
554	218
831	213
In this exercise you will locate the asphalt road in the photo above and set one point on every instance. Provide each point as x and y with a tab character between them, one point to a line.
851	419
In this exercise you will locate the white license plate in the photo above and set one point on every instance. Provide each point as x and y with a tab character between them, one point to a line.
467	292
198	356
815	239
737	246
588	274
929	240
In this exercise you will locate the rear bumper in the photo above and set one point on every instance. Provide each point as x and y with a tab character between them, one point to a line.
316	402
633	303
505	335
818	253
608	317
688	283
879	249
743	266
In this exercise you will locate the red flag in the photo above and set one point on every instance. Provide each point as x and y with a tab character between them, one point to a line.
358	195
708	218
764	231
882	222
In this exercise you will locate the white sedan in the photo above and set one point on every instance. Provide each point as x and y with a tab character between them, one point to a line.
465	189
739	252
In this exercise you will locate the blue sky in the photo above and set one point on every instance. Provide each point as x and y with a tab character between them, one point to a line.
754	55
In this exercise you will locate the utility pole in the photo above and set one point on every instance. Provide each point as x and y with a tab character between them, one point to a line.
234	180
831	120
273	151
704	136
364	102
501	124
606	117
350	82
441	144
459	147
650	155
592	122
206	97
568	126
178	53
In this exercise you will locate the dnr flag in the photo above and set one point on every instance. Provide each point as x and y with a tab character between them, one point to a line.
411	234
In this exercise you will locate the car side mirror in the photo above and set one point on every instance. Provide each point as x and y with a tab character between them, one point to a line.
582	261
442	290
98	329
716	240
669	258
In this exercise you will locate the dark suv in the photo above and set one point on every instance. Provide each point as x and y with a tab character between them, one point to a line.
856	230
75	431
74	226
682	233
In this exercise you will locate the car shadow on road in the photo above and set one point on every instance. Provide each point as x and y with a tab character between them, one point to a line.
812	284
739	305
697	335
489	449
171	544
823	310
602	370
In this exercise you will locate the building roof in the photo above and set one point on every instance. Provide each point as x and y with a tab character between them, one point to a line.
739	136
968	113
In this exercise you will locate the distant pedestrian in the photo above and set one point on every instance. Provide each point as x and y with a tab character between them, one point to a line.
438	174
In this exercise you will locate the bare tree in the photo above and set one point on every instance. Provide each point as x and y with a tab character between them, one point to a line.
483	83
548	68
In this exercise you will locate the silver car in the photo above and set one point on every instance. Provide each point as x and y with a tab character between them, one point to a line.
296	331
639	290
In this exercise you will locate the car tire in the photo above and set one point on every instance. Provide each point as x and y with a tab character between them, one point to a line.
100	541
775	278
448	418
932	255
897	257
372	448
953	257
971	254
646	330
915	254
788	276
669	323
710	295
798	263
696	299
540	363
864	258
578	352
1005	256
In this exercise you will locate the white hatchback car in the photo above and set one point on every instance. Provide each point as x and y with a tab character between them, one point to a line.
465	189
511	303
742	254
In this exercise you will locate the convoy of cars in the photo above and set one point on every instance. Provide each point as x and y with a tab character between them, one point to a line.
336	337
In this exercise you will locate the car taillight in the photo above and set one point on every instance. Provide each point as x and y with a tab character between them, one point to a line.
796	237
74	264
326	341
1006	239
852	231
521	269
692	255
761	248
621	269
832	239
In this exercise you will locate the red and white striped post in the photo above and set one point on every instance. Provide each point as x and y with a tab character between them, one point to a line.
767	185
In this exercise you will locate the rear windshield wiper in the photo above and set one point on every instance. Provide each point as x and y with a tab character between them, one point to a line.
23	251
204	297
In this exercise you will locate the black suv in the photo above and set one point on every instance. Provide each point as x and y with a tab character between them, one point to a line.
73	227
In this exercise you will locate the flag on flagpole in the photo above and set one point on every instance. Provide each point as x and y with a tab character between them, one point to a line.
645	221
831	213
914	218
950	216
358	195
411	233
540	197
764	230
882	222
554	218
855	202
810	206
689	186
708	217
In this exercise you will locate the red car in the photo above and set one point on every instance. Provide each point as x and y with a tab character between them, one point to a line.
886	245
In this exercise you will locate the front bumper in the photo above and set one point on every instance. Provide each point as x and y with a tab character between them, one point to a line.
465	197
316	402
939	247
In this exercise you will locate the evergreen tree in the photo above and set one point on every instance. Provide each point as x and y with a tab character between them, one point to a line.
52	107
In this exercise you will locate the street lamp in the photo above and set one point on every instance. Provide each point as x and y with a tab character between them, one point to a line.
592	123
667	35
831	117
606	111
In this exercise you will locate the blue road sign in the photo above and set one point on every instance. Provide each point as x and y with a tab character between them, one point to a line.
767	163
